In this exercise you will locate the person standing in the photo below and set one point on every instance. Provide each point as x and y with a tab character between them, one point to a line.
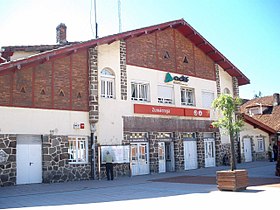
275	152
109	165
270	153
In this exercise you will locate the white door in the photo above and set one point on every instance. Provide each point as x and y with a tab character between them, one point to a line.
209	150
161	157
29	159
169	156
190	155
139	159
247	150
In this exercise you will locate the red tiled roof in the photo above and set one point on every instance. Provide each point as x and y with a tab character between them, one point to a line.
264	101
181	25
270	122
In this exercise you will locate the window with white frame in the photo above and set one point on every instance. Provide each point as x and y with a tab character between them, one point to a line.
107	83
207	99
78	149
255	110
165	94
260	144
187	96
139	91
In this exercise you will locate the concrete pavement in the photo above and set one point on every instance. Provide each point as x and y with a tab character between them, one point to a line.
141	192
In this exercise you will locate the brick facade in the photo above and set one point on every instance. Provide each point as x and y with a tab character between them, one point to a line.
170	51
60	83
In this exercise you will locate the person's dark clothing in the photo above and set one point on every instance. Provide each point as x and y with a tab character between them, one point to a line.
275	152
270	153
109	171
109	166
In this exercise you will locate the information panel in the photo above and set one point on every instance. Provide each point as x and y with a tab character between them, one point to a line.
120	153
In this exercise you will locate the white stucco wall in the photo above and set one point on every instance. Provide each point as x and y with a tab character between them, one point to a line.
249	131
109	128
156	77
225	80
22	54
40	121
111	111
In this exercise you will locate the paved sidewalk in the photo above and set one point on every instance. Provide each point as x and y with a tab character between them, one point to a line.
141	192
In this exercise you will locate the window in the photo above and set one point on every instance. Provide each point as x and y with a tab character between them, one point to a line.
139	91
260	145
143	155
207	99
187	96
78	149
254	110
226	91
165	94
161	152
107	83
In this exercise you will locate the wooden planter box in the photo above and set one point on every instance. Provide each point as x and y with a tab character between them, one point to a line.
236	180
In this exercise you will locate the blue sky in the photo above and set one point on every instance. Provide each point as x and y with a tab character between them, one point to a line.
247	32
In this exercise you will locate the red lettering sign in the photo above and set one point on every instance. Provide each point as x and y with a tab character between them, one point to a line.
159	110
167	110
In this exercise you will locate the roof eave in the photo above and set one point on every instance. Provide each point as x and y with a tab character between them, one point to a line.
180	24
259	124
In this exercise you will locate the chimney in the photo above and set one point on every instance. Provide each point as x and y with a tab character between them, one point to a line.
61	34
276	99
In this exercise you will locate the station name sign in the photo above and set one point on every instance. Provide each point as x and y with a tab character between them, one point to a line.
172	111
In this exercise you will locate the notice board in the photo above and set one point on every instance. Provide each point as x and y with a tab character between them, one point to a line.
120	153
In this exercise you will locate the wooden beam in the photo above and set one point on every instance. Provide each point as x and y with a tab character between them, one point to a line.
200	44
191	35
226	69
219	61
211	52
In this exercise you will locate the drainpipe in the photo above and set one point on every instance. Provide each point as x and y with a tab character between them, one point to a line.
99	164
93	130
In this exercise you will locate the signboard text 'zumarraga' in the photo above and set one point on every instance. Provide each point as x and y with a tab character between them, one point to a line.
167	110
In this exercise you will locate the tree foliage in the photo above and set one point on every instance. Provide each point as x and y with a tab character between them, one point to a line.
228	106
259	95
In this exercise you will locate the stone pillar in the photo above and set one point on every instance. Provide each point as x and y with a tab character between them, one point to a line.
179	152
235	87
153	153
123	70
200	150
218	83
7	160
218	149
93	86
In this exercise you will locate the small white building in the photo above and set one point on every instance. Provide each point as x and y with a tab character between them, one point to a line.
262	127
